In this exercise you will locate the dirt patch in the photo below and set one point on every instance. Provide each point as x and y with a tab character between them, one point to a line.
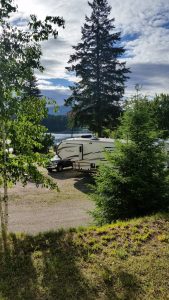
33	209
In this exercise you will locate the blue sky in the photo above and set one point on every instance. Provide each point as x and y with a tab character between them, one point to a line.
144	27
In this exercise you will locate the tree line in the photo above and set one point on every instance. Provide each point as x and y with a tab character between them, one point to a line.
56	123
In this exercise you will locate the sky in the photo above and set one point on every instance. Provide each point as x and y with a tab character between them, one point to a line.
144	27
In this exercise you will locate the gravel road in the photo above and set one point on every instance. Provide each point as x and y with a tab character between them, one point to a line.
33	210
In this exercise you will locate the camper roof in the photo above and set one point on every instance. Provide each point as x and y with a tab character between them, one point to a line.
91	139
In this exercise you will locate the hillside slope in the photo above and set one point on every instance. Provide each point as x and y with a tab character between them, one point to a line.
126	260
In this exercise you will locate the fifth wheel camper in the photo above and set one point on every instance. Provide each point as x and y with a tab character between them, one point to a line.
85	153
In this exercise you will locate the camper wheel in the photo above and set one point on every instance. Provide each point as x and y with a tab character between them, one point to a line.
59	168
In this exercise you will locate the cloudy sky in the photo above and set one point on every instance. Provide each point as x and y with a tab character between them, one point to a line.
144	27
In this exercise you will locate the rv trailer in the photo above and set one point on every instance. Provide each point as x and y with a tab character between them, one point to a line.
85	153
88	153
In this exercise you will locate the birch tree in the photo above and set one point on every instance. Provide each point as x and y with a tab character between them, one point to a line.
20	115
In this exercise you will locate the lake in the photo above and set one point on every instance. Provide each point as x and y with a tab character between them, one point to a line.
63	136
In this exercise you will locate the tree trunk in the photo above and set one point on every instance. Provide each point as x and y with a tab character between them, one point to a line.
3	227
6	203
5	181
99	131
4	199
98	112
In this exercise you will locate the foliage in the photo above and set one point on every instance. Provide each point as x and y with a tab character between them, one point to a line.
31	90
107	133
95	97
135	180
30	87
160	109
55	123
71	120
20	112
47	143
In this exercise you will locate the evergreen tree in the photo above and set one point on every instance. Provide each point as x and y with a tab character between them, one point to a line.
95	98
31	88
135	181
160	109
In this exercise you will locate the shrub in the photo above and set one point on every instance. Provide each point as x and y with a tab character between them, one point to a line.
135	181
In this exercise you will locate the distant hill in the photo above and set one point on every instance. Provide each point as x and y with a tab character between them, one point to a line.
56	123
62	111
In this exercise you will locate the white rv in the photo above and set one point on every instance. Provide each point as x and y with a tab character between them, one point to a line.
85	153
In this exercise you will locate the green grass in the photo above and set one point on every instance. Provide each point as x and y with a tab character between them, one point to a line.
125	260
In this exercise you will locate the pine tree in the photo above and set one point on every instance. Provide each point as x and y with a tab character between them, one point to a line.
160	109
135	181
95	98
31	88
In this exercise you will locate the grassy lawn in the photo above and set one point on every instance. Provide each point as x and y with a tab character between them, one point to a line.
126	260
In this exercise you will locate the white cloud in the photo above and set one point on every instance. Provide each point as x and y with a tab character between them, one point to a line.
61	88
44	82
148	53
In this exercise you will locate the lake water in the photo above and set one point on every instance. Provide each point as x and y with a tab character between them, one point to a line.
63	136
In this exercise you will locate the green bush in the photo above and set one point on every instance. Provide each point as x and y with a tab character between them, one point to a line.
160	110
135	181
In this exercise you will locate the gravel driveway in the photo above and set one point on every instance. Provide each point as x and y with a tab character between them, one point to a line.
33	210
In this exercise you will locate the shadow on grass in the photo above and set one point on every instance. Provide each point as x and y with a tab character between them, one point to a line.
42	267
119	284
130	285
49	267
83	183
17	275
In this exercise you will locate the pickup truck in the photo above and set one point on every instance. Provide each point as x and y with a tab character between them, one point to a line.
58	164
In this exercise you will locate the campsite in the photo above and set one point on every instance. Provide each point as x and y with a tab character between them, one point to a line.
84	150
34	210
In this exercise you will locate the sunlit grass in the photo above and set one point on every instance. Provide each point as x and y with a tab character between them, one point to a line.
125	260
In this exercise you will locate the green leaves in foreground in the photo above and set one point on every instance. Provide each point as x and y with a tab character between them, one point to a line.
21	108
